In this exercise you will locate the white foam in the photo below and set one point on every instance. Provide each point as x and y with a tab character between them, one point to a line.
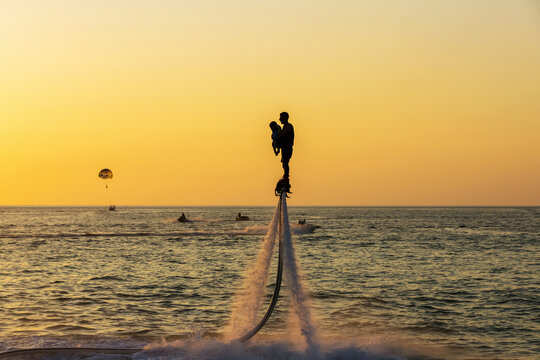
213	349
198	347
303	228
255	230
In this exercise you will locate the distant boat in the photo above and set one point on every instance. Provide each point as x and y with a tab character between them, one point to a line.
112	208
241	217
304	227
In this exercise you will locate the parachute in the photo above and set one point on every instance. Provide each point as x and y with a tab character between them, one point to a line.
106	175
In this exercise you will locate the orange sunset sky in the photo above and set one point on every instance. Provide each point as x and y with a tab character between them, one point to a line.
393	102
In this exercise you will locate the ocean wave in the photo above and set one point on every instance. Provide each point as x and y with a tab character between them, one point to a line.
296	229
107	278
210	348
483	231
249	230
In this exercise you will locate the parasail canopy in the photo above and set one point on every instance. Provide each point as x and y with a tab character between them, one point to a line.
105	174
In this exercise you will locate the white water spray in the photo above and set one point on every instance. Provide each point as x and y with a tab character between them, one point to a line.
249	300
300	305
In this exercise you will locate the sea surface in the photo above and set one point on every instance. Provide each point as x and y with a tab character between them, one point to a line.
383	282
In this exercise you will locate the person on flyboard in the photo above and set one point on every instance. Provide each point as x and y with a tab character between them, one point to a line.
285	141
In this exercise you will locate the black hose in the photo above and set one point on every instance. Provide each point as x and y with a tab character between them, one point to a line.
275	296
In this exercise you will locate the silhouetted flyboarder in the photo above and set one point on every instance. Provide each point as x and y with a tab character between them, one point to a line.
286	142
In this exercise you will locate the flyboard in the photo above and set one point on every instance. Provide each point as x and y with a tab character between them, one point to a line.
283	188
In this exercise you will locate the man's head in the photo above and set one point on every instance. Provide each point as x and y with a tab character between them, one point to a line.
284	117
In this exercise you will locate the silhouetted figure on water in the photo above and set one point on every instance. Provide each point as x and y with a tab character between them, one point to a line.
241	217
183	218
285	141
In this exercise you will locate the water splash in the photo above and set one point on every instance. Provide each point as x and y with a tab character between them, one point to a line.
199	347
249	300
207	348
300	305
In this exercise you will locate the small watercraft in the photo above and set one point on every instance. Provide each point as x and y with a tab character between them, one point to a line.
303	227
183	218
241	217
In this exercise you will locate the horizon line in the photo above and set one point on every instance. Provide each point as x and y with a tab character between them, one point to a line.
271	205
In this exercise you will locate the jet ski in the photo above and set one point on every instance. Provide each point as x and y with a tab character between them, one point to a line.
241	217
303	227
183	219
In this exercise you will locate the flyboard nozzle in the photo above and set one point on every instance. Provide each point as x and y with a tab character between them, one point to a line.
283	187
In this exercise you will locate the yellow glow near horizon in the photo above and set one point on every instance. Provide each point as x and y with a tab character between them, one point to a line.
393	103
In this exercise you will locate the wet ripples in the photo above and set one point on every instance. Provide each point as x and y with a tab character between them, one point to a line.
467	278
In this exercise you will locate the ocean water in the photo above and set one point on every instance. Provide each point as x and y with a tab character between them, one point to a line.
383	283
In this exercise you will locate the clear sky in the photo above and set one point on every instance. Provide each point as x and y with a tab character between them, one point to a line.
393	102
